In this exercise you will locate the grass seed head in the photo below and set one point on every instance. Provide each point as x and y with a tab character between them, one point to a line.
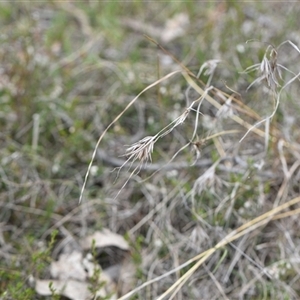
268	69
141	150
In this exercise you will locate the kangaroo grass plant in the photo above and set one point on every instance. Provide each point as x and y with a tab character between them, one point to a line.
270	72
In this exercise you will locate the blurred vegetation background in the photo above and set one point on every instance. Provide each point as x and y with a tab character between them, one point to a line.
68	68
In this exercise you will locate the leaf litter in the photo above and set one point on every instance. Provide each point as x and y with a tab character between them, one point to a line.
72	272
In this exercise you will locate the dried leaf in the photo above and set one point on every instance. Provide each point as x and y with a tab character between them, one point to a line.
105	238
69	266
75	290
127	278
71	271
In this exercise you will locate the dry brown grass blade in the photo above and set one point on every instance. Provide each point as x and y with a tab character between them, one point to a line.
216	104
241	106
